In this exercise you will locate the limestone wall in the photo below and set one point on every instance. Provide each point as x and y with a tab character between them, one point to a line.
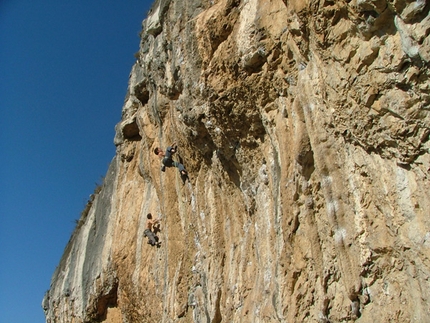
304	126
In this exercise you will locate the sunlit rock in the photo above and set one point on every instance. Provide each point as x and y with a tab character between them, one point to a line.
304	127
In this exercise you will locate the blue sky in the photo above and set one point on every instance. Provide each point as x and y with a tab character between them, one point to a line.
64	68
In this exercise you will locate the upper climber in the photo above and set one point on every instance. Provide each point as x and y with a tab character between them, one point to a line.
167	158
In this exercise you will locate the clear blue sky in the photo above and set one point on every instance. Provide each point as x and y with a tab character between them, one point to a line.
64	68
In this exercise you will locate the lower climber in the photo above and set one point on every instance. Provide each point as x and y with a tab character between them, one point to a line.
167	159
150	229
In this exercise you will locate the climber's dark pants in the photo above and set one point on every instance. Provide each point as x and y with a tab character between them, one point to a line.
151	237
168	162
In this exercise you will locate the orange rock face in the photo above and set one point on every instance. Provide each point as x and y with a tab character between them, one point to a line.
304	128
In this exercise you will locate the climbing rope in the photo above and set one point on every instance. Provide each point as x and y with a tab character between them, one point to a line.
161	205
178	175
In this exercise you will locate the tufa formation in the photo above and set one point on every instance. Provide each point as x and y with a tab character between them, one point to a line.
304	127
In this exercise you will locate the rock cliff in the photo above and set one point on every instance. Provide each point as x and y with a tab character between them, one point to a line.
304	126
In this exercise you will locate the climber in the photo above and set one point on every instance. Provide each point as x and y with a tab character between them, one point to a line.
150	229
167	159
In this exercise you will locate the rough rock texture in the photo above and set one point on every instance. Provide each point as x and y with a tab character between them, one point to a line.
304	125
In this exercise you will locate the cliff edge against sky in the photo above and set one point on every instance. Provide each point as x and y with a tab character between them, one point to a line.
304	126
